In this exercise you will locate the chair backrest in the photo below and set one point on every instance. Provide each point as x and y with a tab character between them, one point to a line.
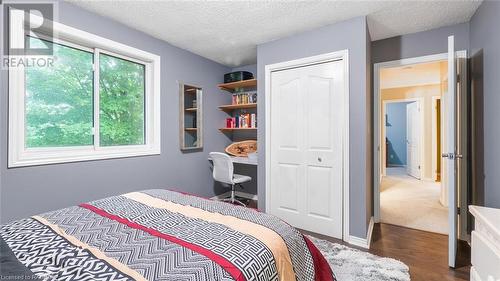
223	167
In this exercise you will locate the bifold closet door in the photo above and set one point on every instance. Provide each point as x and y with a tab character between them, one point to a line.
307	110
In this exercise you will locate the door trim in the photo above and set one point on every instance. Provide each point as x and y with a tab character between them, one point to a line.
420	102
376	113
434	138
342	55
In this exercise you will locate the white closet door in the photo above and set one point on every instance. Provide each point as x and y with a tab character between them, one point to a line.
306	147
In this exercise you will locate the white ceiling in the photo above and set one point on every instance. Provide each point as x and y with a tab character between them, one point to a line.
414	75
229	31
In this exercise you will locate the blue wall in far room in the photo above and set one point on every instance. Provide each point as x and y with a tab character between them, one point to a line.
395	126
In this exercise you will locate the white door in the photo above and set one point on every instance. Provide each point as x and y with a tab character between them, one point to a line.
449	151
306	147
413	139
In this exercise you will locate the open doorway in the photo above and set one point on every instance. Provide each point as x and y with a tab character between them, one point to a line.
449	169
411	193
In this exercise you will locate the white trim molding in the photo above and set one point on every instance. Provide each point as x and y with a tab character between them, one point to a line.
434	137
19	155
363	242
342	55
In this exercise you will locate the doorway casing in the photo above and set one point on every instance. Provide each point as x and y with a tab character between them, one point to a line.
377	67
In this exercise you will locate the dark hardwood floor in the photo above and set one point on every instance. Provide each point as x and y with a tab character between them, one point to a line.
424	252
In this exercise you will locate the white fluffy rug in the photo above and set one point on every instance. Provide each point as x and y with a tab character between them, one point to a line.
412	203
350	264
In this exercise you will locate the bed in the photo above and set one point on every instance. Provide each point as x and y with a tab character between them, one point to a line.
159	235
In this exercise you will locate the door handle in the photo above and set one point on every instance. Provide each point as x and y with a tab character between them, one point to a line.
450	156
319	159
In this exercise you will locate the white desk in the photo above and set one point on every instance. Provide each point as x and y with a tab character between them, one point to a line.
242	160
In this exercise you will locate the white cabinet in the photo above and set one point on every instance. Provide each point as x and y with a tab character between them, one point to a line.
485	255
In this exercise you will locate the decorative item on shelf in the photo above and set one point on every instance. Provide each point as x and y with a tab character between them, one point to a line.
242	148
244	98
237	76
194	103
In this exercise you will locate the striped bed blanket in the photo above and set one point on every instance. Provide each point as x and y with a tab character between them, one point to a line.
163	235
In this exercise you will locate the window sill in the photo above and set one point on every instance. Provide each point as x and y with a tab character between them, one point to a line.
46	157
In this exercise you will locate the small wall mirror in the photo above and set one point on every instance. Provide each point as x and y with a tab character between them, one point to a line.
190	121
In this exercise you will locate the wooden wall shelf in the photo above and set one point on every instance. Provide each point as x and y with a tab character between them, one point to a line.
236	129
230	107
240	84
190	117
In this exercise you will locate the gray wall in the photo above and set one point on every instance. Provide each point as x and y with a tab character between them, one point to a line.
31	190
351	35
485	44
396	133
420	44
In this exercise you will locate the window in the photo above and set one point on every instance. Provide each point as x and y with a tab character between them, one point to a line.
59	100
99	99
121	101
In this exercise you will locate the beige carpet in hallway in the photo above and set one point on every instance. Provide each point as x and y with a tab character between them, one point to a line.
412	203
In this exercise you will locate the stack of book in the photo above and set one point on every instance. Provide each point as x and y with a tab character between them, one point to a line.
245	120
244	98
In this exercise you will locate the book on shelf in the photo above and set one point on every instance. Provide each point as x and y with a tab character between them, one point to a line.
245	120
244	98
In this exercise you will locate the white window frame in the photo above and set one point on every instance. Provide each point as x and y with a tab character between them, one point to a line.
20	156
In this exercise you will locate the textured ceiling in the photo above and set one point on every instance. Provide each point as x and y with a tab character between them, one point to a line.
229	31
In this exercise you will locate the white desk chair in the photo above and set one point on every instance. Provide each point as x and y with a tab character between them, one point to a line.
224	172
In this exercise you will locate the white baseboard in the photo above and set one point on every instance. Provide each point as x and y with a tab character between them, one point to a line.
363	242
237	193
